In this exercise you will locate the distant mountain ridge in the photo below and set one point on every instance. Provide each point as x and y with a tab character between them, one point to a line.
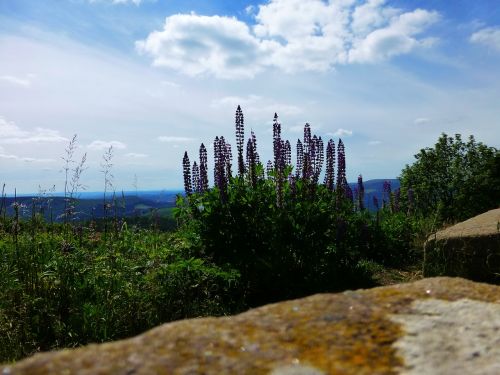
375	188
90	205
137	203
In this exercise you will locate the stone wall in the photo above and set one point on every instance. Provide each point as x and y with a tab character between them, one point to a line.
432	326
470	249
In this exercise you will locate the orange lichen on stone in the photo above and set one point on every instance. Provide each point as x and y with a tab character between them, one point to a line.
346	333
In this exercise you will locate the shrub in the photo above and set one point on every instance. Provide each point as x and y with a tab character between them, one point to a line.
287	234
455	180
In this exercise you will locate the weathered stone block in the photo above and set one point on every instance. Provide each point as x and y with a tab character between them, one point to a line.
470	249
433	326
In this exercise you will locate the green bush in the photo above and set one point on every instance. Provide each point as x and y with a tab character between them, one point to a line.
454	180
286	233
305	246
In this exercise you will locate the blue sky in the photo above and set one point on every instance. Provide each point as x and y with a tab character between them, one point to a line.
156	77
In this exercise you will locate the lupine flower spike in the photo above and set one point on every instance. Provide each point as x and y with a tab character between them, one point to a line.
361	193
240	138
341	177
203	169
196	178
187	174
330	165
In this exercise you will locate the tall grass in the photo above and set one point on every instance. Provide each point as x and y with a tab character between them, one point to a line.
64	290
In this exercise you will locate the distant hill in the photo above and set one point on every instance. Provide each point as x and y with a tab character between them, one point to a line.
90	204
375	188
141	203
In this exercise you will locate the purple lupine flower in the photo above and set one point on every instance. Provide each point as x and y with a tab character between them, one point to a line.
216	160
300	158
312	154
256	157
361	193
240	139
277	144
319	158
269	169
307	137
283	155
341	177
288	153
330	165
220	166
229	160
196	178
254	144
279	160
251	165
309	154
203	169
187	173
306	167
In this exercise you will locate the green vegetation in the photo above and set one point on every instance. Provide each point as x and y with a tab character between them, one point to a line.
285	232
454	180
64	288
259	235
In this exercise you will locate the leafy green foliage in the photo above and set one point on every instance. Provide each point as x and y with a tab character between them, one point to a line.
455	180
311	243
287	234
64	290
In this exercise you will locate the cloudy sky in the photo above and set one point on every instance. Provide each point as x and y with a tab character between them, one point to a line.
155	78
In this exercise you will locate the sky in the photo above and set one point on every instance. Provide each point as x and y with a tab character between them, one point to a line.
153	78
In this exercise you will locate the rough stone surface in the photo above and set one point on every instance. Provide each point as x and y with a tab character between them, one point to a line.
443	337
470	249
432	326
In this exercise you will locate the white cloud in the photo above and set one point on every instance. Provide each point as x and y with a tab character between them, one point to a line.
374	143
489	37
10	133
340	133
194	45
24	159
24	82
291	35
104	145
168	139
135	155
397	38
9	129
371	15
421	121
